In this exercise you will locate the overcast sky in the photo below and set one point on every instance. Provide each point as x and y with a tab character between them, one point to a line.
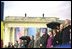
60	9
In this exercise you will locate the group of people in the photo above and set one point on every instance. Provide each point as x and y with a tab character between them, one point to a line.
10	45
60	35
21	44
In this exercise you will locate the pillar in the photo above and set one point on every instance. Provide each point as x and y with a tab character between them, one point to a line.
6	36
13	36
25	31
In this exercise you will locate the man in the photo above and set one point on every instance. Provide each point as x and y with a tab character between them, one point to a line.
43	39
66	32
37	41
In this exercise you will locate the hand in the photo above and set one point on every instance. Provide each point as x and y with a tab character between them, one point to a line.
40	44
51	46
56	41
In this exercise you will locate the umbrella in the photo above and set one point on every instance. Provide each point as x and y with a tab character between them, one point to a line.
53	25
25	38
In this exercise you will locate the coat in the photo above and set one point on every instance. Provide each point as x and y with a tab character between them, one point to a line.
66	34
49	42
31	44
37	43
43	40
55	39
60	37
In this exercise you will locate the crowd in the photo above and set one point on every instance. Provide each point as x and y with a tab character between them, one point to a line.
60	35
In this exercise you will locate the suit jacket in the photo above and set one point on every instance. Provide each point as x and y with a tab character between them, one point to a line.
66	34
43	40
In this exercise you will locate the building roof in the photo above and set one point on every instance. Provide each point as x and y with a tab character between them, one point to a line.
29	19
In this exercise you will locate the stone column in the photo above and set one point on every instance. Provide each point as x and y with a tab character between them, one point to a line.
13	35
6	36
25	31
10	36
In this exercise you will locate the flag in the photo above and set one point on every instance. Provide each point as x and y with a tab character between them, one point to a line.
19	33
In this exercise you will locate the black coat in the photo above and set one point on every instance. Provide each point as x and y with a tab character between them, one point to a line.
55	39
60	36
43	40
66	34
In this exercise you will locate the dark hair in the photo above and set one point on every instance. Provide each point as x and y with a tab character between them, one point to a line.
55	31
51	32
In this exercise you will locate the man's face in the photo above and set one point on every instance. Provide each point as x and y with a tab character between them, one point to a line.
67	21
44	30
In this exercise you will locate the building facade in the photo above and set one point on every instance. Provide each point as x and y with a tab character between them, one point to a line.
15	27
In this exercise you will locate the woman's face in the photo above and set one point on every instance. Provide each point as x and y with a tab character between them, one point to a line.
49	33
61	26
54	32
58	27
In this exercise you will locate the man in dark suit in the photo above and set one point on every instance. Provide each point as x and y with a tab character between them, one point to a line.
66	32
43	39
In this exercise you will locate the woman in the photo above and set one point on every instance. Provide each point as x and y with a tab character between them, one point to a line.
55	37
50	40
61	33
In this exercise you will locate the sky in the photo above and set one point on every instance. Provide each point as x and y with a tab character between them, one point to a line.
59	9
